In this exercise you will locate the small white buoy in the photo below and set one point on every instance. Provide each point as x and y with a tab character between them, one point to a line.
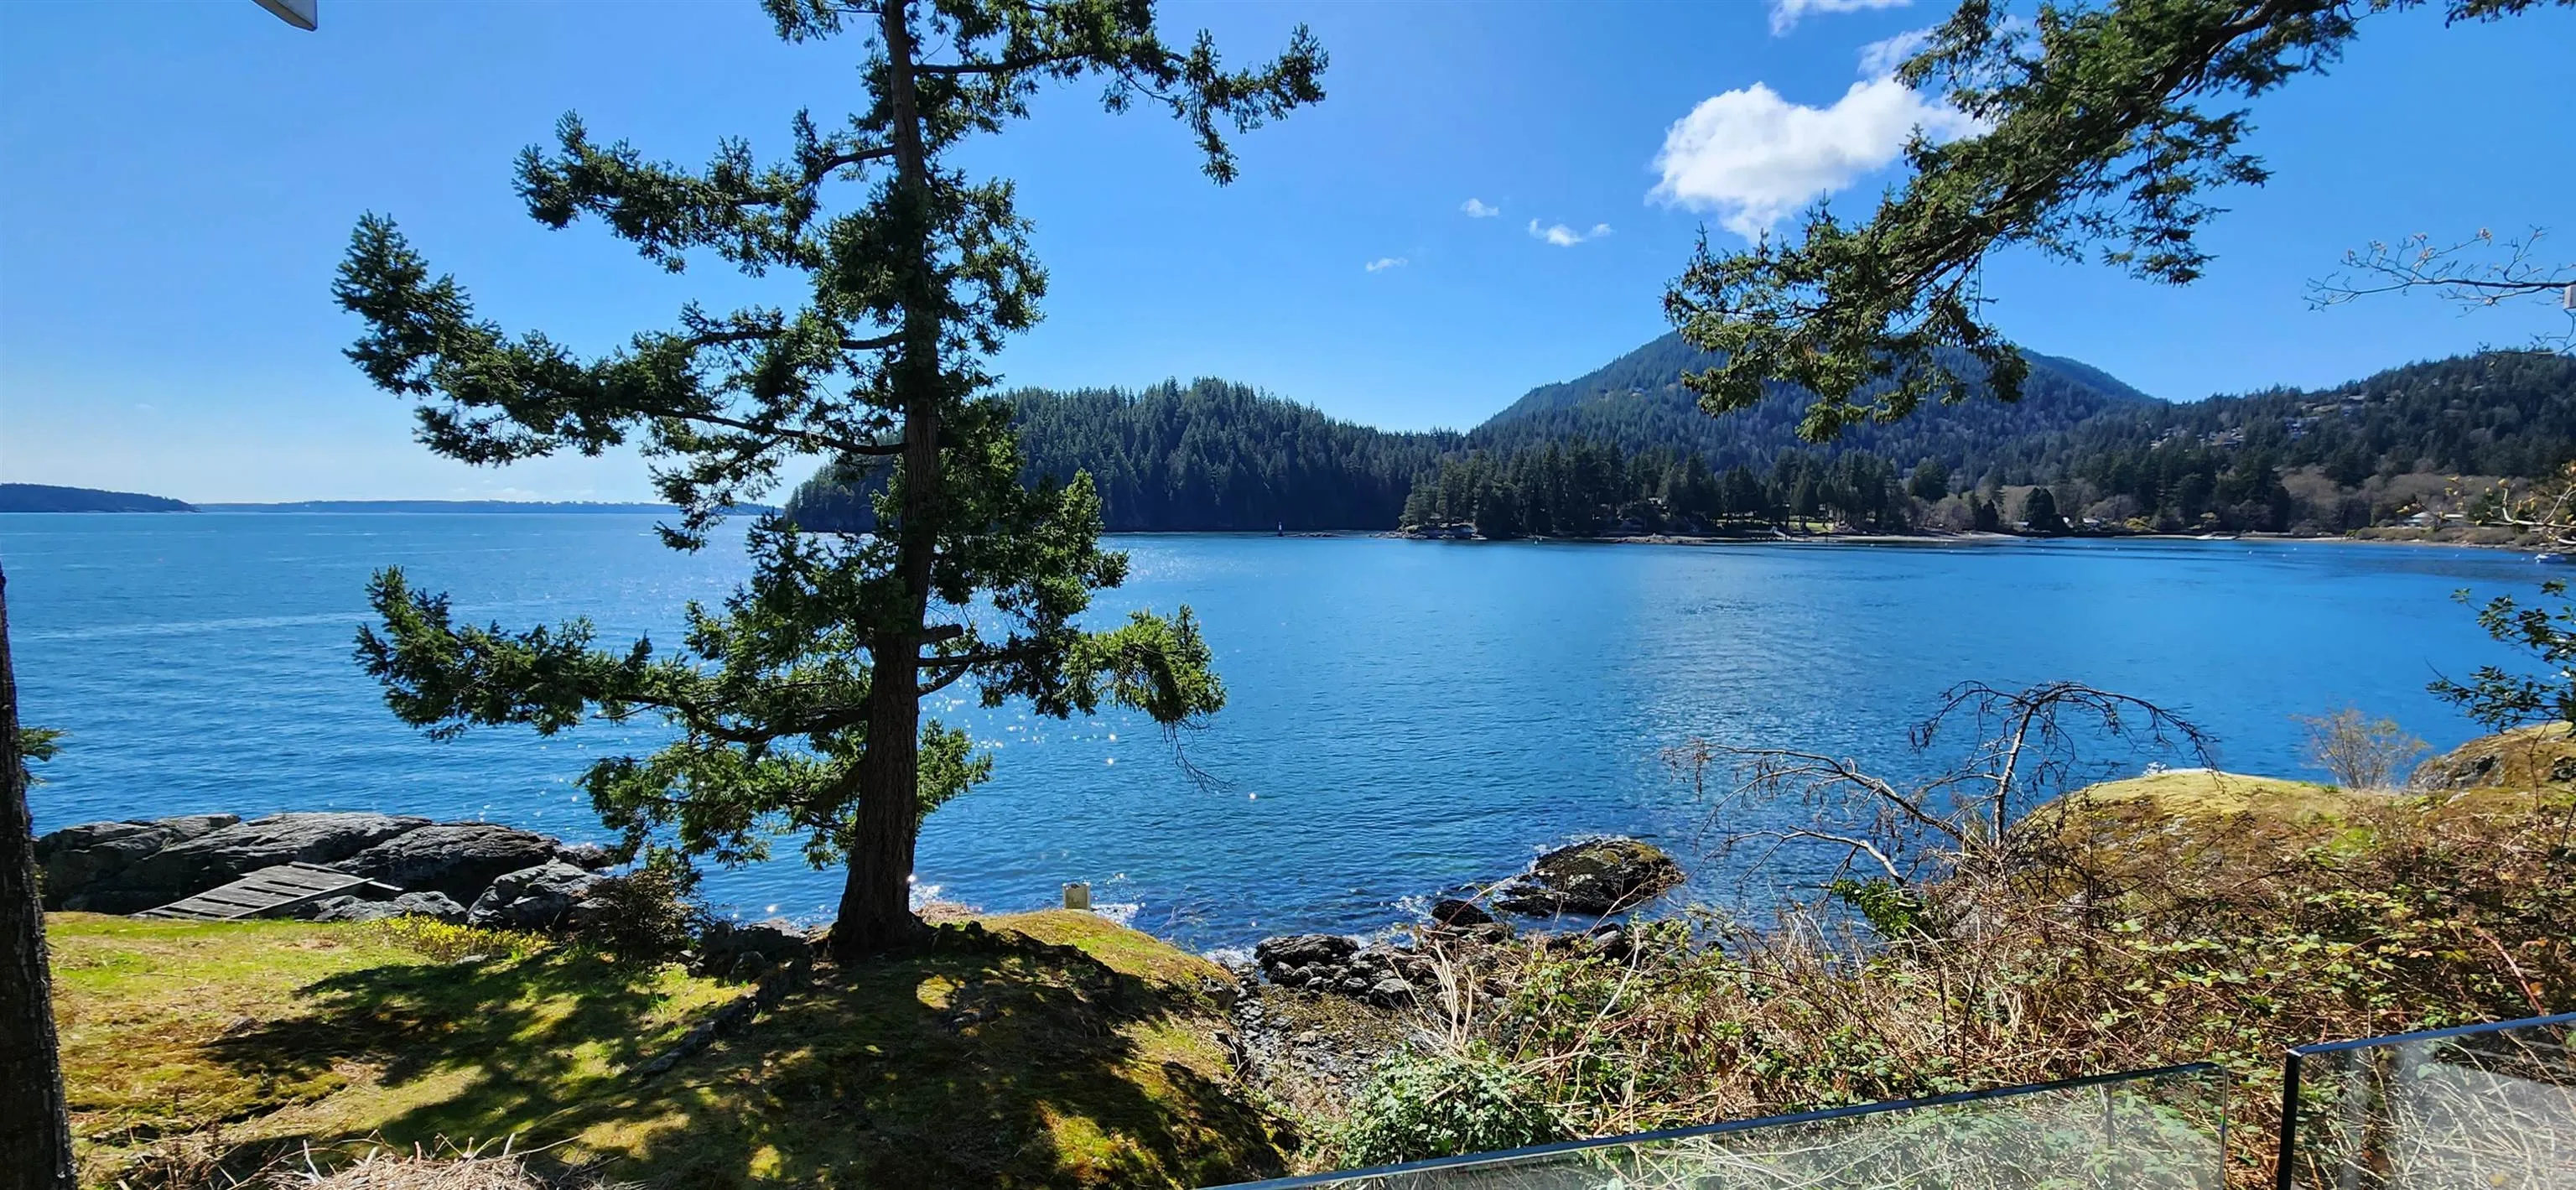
1077	894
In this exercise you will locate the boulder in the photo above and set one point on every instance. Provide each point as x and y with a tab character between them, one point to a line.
591	856
430	904
411	904
92	855
732	949
1594	876
228	853
1459	914
1381	975
1296	951
460	859
348	909
534	898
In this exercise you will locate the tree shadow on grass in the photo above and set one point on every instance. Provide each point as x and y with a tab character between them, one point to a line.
984	1059
468	1050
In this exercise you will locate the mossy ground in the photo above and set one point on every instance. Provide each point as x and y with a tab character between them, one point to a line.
1048	1049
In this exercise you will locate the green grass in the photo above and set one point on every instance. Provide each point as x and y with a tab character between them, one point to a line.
1048	1049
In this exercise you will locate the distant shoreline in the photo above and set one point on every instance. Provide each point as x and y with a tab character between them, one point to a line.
574	507
1976	538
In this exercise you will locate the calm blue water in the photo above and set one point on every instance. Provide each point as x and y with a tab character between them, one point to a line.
1404	715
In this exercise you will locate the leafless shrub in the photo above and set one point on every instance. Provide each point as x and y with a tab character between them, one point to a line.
2025	748
2360	752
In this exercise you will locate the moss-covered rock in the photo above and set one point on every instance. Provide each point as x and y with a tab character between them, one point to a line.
1594	876
2534	757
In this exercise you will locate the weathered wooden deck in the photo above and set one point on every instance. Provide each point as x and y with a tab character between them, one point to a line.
268	892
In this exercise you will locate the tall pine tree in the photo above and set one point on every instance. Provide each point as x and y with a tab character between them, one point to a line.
35	1131
796	706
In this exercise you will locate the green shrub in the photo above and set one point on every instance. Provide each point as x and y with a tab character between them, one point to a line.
448	943
1418	1105
647	915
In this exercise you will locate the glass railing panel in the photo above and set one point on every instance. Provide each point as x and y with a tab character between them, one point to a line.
2490	1107
2156	1130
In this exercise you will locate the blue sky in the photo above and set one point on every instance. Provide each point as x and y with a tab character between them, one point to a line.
179	180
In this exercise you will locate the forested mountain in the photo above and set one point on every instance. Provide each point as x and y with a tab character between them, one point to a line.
2361	453
2407	441
1637	402
1206	455
1626	448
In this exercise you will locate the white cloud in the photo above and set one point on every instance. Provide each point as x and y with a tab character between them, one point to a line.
1566	237
1880	59
1753	157
1386	262
1476	209
1785	13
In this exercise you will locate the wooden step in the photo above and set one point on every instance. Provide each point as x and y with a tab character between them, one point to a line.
268	892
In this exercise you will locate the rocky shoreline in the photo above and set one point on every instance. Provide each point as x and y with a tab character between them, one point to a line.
1591	878
493	876
1313	1013
478	873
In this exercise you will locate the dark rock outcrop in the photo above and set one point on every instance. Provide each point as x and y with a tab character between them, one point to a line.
2532	757
585	855
743	951
536	898
128	867
80	859
1297	952
460	859
411	904
1381	975
192	866
1459	914
1593	877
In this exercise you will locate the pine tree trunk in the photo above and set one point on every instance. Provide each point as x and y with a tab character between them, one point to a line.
35	1133
876	903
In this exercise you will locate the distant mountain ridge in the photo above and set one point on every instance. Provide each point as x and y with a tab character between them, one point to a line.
1215	455
1637	403
46	497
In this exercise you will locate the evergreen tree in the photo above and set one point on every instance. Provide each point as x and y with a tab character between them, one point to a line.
797	705
1983	516
2039	512
35	1131
1498	512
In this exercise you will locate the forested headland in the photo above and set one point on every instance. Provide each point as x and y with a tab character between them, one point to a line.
1626	450
45	497
1208	455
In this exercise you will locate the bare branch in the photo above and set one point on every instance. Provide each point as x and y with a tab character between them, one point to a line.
2480	272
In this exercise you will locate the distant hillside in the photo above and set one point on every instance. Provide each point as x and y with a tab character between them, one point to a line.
1627	447
45	497
2419	444
1204	456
